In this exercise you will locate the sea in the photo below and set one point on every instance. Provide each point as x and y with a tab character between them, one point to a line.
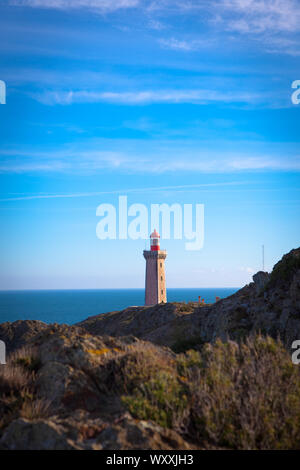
72	306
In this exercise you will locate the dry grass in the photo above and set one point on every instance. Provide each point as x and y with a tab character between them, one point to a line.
18	373
35	409
13	379
26	357
17	386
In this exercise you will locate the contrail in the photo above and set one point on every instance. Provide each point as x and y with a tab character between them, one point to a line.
119	191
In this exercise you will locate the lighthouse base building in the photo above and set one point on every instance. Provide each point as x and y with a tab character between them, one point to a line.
155	286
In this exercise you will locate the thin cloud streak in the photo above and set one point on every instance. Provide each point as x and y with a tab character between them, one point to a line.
200	96
242	16
136	161
96	5
201	167
123	191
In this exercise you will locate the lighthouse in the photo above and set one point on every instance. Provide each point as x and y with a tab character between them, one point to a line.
155	286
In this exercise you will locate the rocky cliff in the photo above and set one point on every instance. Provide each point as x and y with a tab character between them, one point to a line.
158	377
270	304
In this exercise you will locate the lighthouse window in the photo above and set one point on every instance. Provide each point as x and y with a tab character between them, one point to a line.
162	292
161	278
161	265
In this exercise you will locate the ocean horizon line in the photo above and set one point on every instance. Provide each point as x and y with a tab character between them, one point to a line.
74	305
112	289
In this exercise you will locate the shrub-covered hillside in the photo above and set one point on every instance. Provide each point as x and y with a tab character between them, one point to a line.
69	390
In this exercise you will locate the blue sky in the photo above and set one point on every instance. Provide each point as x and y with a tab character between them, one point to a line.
163	101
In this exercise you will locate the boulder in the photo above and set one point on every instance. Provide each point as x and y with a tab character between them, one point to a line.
260	280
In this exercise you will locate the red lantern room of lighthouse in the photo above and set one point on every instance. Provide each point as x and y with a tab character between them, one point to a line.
154	241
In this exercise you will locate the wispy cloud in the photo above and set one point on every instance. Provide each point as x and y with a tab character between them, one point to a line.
279	45
264	21
269	22
258	163
126	191
185	45
245	16
247	269
156	25
257	16
98	5
157	159
273	23
201	96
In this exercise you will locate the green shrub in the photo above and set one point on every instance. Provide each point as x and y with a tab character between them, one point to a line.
125	372
162	399
186	307
285	268
189	362
246	396
228	395
146	379
184	344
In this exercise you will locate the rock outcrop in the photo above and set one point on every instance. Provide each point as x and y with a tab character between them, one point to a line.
64	390
116	380
17	334
270	304
260	280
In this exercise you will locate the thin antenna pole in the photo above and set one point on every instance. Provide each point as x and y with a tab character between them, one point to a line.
263	257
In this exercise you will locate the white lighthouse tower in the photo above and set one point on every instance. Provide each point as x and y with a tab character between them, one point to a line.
155	287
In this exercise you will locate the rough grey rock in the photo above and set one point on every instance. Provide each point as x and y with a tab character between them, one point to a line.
16	334
260	280
22	434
